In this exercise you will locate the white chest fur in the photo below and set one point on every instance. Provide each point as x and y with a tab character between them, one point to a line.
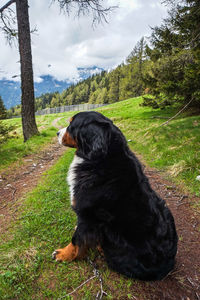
71	176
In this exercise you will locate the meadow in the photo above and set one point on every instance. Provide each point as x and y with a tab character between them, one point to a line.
172	148
46	221
14	149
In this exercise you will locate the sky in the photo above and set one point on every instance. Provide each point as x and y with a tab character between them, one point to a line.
63	43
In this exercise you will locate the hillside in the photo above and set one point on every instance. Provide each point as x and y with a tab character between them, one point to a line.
159	145
42	219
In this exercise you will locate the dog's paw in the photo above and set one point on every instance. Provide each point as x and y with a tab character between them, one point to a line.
68	253
56	256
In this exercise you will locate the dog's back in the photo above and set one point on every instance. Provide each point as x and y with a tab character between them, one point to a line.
135	227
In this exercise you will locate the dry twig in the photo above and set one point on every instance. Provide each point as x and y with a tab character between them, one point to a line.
178	113
78	287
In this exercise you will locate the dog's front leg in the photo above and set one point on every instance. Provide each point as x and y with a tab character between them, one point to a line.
68	253
77	249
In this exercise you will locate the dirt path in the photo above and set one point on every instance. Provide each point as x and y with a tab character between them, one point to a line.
183	283
55	122
15	183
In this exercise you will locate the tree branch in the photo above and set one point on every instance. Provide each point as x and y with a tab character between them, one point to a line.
178	113
79	287
8	22
166	123
6	5
85	7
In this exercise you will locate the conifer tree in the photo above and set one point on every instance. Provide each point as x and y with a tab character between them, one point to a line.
114	80
174	76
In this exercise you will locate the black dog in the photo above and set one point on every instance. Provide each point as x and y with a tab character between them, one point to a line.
116	207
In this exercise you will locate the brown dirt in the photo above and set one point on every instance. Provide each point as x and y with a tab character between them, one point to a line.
20	179
183	283
15	183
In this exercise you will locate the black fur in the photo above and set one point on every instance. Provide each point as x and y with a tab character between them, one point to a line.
115	204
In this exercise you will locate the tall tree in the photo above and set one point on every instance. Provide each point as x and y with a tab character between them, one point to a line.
114	81
8	19
27	87
136	62
175	76
28	107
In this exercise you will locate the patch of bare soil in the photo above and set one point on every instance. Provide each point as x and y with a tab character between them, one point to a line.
184	282
15	183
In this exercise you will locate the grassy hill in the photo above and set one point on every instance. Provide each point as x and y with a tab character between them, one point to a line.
172	148
47	222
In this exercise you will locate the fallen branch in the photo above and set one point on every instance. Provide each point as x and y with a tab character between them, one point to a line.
197	295
179	204
78	287
191	282
165	123
178	113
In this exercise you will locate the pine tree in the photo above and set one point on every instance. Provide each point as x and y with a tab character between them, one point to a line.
174	76
114	82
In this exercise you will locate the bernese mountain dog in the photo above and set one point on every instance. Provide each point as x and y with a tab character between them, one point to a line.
117	210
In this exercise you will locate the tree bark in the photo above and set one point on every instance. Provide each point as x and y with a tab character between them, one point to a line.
27	86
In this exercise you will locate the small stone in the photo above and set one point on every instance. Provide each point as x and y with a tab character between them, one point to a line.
198	178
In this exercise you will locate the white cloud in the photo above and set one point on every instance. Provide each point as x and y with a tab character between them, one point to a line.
64	43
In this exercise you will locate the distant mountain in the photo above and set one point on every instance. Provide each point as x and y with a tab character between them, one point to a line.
11	93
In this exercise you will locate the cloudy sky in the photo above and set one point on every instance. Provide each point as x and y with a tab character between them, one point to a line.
63	43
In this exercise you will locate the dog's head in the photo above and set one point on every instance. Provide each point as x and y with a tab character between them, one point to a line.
92	134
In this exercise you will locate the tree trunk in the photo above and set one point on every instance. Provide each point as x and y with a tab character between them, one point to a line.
27	87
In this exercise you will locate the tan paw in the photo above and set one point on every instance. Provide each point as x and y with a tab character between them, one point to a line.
68	253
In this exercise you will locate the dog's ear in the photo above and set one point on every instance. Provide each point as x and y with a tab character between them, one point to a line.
93	140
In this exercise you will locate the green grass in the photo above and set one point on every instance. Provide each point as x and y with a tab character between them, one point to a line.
46	221
14	149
